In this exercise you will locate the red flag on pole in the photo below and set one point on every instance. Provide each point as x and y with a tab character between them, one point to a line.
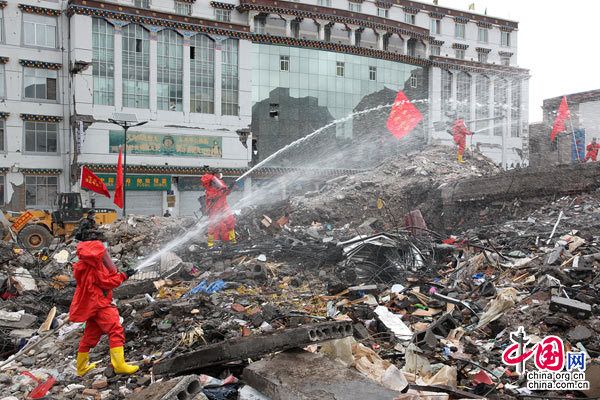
118	200
90	181
403	117
561	116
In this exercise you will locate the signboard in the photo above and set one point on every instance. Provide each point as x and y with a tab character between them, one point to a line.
192	183
22	221
167	145
138	182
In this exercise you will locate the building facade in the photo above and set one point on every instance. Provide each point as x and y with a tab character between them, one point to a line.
210	76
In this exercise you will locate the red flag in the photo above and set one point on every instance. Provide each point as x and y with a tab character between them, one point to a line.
118	200
403	117
561	116
90	181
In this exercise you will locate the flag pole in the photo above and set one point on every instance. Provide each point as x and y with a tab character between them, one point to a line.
573	131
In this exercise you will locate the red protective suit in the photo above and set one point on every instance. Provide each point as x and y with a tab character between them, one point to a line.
92	301
591	152
459	133
221	219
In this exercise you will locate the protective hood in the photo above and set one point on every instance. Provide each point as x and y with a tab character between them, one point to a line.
206	179
90	253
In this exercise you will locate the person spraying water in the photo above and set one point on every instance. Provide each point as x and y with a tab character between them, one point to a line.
221	221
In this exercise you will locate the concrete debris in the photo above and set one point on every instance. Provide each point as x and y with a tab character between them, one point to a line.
385	284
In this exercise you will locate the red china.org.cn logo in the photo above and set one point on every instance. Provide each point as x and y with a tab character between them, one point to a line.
554	369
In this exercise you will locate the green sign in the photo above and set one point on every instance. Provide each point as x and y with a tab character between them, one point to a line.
167	145
138	182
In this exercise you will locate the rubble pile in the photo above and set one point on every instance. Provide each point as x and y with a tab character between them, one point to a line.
322	305
403	183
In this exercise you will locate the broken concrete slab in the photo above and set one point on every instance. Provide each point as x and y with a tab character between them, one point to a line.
301	375
134	288
180	388
577	308
254	346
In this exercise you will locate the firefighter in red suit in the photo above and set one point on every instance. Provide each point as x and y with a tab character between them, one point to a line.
96	276
592	151
221	221
459	133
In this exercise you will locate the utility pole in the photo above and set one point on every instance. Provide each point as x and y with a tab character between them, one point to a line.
125	121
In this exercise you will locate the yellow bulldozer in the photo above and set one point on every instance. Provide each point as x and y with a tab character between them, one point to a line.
35	229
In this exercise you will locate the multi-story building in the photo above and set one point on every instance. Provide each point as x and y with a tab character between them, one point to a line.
202	72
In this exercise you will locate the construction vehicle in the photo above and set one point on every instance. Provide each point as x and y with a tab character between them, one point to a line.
35	229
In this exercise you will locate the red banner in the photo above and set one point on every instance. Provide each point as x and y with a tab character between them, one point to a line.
119	187
561	116
404	116
90	181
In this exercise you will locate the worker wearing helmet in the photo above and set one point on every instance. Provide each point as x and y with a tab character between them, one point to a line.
221	219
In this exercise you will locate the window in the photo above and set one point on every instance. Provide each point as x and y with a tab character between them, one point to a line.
136	66
2	82
202	74
41	137
482	35
355	7
409	18
284	63
259	25
413	81
436	50
141	3
383	12
515	109
39	30
183	8
463	95
482	104
357	37
169	88
459	30
2	148
328	33
505	60
459	53
295	25
103	62
412	48
229	77
482	57
223	15
2	190
505	39
40	84
372	73
40	191
436	26
325	3
446	92
339	68
386	42
1	41
500	100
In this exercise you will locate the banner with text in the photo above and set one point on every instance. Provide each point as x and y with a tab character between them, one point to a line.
138	182
167	145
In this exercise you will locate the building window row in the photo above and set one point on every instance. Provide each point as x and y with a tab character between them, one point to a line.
169	85
40	191
40	84
500	108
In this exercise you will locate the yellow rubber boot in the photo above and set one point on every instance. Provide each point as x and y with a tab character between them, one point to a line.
83	364
210	241
459	157
232	236
117	359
